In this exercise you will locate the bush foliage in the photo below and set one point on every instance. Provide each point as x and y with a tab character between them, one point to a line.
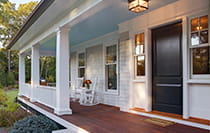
10	79
3	98
34	124
10	111
8	118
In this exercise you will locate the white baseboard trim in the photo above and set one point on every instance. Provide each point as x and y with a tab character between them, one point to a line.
188	123
70	127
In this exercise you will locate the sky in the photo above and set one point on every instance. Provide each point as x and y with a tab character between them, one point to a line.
21	1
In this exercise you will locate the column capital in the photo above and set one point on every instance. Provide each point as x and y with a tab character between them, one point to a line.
63	29
21	54
36	45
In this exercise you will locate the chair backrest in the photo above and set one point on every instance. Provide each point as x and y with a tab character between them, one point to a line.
94	85
79	82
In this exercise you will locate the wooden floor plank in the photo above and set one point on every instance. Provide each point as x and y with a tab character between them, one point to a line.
107	119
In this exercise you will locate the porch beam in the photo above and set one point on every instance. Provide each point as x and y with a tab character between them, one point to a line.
62	72
34	71
21	72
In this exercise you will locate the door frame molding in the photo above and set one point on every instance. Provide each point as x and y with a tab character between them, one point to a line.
148	62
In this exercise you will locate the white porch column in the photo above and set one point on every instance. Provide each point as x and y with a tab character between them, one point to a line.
34	71
148	47
62	72
21	72
185	66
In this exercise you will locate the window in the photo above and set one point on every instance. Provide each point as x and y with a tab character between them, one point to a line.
28	69
81	65
200	49
111	68
139	55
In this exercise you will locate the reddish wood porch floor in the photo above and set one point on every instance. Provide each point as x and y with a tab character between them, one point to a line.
107	119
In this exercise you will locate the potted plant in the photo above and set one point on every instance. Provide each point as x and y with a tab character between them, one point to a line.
87	83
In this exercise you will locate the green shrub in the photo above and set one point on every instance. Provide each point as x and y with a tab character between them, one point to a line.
16	86
3	78
8	118
3	98
34	124
50	79
10	79
1	87
11	106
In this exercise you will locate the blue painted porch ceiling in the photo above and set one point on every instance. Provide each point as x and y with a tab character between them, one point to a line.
103	22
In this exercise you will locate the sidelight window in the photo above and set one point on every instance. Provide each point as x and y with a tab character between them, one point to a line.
139	55
199	45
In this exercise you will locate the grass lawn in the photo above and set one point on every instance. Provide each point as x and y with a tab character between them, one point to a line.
12	94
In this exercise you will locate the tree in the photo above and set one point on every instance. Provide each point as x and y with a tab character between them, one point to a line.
11	20
3	1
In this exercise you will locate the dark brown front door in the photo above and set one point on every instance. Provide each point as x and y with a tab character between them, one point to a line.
167	68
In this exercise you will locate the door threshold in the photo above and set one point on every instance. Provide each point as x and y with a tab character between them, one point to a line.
202	123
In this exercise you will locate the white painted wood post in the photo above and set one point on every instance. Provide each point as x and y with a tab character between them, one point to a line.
21	72
62	72
185	69
148	66
34	71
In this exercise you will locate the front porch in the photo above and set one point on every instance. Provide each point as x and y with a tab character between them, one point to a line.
108	119
103	40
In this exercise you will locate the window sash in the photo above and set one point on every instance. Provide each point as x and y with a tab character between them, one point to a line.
109	63
81	66
111	54
198	30
111	77
139	41
139	73
81	59
200	45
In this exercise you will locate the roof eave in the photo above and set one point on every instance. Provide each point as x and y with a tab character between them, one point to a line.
37	12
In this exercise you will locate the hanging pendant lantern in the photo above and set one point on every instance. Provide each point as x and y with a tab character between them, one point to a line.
138	5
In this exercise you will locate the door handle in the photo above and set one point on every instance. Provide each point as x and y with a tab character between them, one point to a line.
169	85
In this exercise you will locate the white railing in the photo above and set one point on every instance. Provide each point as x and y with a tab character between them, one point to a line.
46	95
25	90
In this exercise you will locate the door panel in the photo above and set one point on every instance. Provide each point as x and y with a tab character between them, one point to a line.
167	68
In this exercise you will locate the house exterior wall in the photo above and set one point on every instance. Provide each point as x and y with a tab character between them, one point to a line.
94	68
195	90
73	66
125	71
95	65
199	100
137	92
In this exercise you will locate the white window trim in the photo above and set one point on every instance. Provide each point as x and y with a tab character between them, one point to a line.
190	47
135	77
79	67
106	90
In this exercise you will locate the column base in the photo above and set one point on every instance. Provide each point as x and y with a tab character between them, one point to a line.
32	100
124	109
63	111
20	94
